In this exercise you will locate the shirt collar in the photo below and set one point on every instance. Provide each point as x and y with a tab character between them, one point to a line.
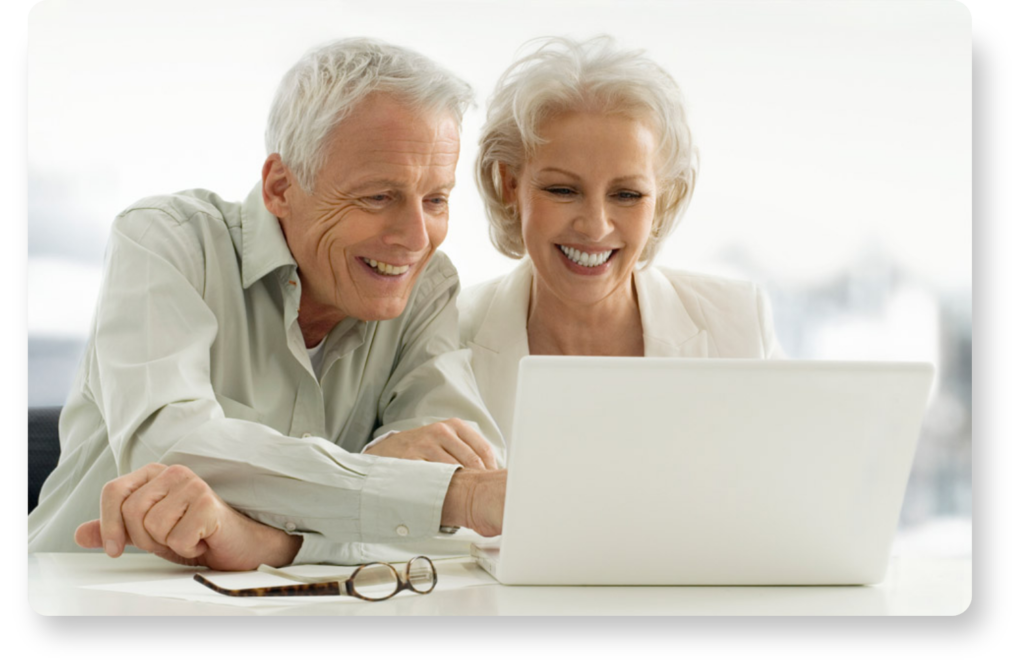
669	331
264	247
504	325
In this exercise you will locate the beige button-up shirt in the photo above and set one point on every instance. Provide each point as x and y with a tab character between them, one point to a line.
196	358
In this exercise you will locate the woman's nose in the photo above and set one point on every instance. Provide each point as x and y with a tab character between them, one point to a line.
593	221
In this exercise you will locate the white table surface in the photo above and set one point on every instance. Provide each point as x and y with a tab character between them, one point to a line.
914	586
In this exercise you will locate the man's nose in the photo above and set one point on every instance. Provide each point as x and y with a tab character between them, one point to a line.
409	228
592	221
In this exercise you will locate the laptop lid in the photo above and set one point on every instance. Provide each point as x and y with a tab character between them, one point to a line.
662	471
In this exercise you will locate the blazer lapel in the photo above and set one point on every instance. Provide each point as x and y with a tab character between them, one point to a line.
501	342
669	331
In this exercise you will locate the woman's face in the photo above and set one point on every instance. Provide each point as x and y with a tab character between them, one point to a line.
587	198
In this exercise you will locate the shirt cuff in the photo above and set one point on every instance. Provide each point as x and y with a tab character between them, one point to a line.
317	549
402	499
378	440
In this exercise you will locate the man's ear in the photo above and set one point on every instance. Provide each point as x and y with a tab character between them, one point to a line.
277	180
509	184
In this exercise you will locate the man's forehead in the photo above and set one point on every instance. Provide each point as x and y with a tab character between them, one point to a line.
392	165
386	118
384	136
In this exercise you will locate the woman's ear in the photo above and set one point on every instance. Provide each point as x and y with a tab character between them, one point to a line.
509	184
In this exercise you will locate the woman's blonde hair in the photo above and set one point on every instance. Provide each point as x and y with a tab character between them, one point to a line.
563	75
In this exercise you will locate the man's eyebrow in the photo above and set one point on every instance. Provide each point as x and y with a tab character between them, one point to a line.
375	185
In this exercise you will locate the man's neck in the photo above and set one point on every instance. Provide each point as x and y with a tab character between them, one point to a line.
316	319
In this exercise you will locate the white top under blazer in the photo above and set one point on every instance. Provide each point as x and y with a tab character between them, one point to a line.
683	315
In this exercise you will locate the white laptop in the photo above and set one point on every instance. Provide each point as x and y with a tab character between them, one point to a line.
663	471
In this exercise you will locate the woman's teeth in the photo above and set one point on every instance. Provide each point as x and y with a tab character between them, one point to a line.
584	259
385	269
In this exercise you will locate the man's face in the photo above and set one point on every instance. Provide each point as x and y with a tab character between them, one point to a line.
378	210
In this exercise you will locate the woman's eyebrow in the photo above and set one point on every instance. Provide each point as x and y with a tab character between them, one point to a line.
559	170
623	178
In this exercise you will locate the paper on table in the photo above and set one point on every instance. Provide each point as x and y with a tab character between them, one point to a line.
454	571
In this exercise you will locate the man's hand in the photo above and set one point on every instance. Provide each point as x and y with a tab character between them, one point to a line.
453	441
172	513
475	499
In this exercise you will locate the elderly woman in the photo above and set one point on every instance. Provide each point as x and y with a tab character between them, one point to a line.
585	166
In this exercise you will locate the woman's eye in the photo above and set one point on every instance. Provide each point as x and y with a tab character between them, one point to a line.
628	196
560	191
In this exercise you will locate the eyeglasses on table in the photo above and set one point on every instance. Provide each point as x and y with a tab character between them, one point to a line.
373	582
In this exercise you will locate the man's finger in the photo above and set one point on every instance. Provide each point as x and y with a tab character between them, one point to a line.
437	453
187	538
461	451
88	535
477	443
138	505
166	514
113	533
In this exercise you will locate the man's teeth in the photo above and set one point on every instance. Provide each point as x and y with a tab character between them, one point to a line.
386	269
584	259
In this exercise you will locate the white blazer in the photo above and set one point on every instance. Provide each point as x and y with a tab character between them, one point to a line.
682	314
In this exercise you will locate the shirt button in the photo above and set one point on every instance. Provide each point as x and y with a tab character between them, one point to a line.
402	531
307	435
290	527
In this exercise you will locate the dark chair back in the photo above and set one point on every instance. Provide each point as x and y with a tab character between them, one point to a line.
43	448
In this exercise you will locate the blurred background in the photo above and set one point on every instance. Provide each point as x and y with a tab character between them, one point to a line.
835	145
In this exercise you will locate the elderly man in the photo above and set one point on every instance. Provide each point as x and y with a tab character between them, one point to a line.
260	347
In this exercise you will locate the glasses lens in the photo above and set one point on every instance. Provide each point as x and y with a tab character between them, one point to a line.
420	574
376	581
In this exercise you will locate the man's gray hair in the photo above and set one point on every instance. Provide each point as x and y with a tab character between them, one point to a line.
563	75
329	81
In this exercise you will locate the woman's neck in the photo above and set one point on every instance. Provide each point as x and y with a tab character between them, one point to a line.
610	327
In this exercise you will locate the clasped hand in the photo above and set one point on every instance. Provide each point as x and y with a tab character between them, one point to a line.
174	514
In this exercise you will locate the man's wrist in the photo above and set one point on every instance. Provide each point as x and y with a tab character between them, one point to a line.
279	547
454	511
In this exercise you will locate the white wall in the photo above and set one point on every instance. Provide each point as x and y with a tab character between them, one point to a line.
826	129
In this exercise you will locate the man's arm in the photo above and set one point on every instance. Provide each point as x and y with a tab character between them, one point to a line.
152	380
171	512
432	381
174	514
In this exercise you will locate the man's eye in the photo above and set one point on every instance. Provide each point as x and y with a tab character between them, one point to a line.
377	199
